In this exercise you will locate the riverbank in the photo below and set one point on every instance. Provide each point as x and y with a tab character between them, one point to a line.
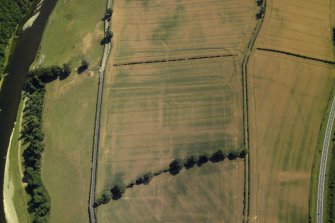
15	197
24	53
18	29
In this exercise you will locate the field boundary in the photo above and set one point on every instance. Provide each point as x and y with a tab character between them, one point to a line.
245	113
173	60
297	55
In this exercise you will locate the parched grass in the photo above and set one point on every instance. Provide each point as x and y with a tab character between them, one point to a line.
146	30
74	31
20	197
211	193
287	100
299	26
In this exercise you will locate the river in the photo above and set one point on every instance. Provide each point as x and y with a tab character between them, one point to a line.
23	55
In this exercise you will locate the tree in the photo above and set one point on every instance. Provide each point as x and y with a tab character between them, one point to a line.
176	166
108	37
84	66
118	190
108	13
233	155
203	158
218	156
145	178
66	71
191	161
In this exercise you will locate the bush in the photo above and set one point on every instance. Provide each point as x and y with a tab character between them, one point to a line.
203	158
218	156
191	161
66	71
118	190
84	66
233	155
145	178
104	199
176	166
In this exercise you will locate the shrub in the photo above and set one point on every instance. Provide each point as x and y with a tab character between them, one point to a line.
118	190
191	161
218	156
203	158
145	178
176	166
104	199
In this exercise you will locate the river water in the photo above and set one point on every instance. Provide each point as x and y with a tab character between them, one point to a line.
23	55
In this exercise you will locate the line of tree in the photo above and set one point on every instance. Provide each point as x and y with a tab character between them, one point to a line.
174	168
39	77
12	13
32	136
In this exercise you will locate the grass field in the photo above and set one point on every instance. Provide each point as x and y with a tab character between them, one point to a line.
298	26
74	30
287	100
194	195
146	30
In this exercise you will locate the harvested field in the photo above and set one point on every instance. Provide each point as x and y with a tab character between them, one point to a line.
287	100
146	30
299	26
155	113
194	195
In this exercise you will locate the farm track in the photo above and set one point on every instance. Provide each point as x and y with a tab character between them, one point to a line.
106	52
245	114
297	55
173	60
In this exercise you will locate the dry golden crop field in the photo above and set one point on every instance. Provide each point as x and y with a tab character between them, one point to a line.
300	27
287	100
154	113
211	193
147	30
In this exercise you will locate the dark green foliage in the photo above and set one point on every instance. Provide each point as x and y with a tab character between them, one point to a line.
39	77
32	135
108	37
104	199
66	71
12	12
260	13
84	66
145	178
108	13
259	2
217	156
203	158
118	190
191	161
233	155
176	166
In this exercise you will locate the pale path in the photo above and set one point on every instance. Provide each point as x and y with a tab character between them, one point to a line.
107	49
323	165
245	114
